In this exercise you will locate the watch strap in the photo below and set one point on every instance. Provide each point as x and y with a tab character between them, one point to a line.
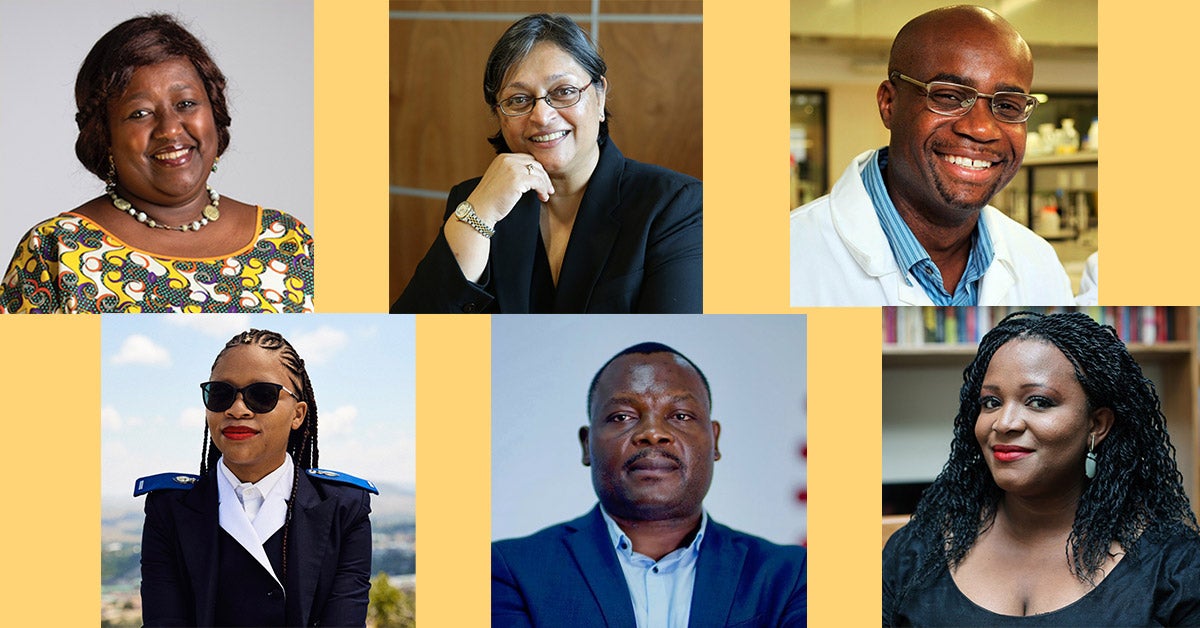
466	213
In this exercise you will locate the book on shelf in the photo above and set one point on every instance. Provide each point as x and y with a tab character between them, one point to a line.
948	325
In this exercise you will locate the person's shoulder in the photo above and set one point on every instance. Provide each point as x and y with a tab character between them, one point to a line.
1013	232
332	480
758	547
464	188
550	535
285	220
164	482
646	174
64	223
1176	544
810	214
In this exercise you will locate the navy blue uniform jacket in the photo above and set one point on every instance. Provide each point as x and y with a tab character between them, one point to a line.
636	247
329	555
568	575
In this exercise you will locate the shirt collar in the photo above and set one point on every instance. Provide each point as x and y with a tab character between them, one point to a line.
280	478
622	544
905	248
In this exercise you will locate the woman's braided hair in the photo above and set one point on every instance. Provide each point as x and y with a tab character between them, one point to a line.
1137	491
302	442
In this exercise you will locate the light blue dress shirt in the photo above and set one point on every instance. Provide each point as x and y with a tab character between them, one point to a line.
913	257
661	591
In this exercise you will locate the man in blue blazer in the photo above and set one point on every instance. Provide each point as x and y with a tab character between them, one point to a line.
648	555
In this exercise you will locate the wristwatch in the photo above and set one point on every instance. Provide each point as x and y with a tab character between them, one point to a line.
466	213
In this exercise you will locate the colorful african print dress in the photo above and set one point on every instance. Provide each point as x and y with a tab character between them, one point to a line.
68	264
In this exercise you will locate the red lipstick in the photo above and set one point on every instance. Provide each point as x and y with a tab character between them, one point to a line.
1010	453
238	433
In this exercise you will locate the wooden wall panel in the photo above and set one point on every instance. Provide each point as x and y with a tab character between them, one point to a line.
657	7
440	124
417	222
498	6
655	93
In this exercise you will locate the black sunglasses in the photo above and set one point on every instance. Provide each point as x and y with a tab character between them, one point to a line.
259	397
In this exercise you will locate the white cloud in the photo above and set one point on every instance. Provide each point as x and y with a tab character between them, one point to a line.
340	420
318	346
139	349
222	326
192	417
110	418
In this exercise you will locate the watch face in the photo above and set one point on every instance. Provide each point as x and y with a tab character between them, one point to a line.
462	210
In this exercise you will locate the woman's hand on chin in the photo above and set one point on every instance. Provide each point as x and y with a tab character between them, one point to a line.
508	177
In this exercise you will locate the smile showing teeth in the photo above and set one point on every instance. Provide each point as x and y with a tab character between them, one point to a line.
975	164
548	137
175	154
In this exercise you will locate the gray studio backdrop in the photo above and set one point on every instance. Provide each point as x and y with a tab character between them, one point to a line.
264	47
541	369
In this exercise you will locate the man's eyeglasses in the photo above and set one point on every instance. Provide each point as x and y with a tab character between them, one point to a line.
952	99
559	98
259	397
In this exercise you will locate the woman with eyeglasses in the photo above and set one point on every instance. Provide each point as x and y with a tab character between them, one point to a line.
1061	503
561	221
261	537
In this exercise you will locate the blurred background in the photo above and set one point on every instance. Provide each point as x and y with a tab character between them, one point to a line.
440	123
839	54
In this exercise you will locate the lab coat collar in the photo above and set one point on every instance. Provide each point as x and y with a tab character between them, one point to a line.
858	227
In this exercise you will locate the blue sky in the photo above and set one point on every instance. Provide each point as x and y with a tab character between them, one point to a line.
152	419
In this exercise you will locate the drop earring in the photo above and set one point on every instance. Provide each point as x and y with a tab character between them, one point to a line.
1089	463
215	162
110	179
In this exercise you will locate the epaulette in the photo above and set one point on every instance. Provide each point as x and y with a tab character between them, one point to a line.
341	478
163	482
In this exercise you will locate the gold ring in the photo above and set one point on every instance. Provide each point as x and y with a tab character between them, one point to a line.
529	168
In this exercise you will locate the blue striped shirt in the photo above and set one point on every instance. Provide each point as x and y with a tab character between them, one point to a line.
913	257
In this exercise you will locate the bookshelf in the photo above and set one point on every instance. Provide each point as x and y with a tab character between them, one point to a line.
921	383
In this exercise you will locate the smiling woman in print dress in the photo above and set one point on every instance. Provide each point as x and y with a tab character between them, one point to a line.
153	121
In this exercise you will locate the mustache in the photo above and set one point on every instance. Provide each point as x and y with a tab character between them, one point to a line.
650	451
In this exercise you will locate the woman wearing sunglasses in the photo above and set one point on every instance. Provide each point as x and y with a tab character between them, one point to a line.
561	221
261	537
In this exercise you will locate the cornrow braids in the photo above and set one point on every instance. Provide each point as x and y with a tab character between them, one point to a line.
1137	491
302	443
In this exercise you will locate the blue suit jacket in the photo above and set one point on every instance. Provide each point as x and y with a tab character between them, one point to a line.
568	575
329	555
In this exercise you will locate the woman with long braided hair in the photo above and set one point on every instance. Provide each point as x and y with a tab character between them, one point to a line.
261	537
1061	503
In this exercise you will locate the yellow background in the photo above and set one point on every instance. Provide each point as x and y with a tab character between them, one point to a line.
49	447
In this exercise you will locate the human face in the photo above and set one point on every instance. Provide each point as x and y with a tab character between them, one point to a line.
651	443
164	140
562	140
945	167
254	444
1034	425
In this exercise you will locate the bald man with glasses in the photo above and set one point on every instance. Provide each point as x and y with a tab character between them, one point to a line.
910	224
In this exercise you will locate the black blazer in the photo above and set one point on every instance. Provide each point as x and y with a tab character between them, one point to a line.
569	575
329	555
636	247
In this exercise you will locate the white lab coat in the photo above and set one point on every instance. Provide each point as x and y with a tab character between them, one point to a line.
841	256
